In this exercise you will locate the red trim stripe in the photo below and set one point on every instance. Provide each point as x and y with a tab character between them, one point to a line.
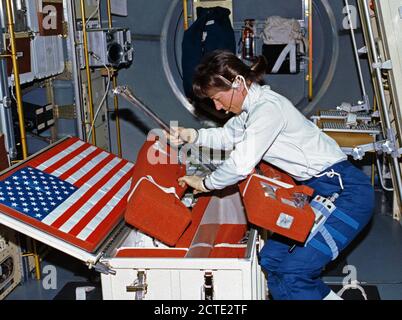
86	245
104	228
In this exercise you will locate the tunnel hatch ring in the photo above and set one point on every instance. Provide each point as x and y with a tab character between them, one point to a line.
180	95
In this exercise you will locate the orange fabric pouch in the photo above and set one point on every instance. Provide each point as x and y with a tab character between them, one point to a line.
271	204
156	213
150	208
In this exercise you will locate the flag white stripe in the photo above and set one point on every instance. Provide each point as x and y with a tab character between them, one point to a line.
81	172
70	201
102	192
102	214
67	166
62	154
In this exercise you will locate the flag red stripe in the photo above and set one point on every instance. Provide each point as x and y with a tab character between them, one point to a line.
96	187
109	222
94	171
100	204
66	159
80	164
38	160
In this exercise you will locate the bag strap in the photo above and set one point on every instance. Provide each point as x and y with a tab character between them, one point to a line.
277	182
171	190
291	50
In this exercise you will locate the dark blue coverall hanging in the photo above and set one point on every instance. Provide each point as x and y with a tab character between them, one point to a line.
212	30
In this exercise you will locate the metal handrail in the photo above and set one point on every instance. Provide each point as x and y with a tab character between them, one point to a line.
88	70
18	92
382	103
114	83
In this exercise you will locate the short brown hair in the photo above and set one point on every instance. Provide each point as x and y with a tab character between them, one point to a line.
219	69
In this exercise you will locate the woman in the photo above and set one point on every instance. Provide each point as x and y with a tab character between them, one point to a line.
266	126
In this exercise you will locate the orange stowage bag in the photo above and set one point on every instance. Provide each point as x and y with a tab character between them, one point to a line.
156	213
160	162
270	203
150	208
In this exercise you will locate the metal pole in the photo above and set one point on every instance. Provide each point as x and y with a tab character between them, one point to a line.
50	98
88	70
126	93
352	32
114	82
387	121
6	121
18	93
76	73
310	50
185	14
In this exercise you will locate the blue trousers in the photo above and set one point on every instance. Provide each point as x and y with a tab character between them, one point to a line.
295	275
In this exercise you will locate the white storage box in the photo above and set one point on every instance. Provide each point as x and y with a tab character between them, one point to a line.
47	56
186	278
215	266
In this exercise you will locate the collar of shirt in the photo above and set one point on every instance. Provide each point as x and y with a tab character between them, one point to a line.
252	97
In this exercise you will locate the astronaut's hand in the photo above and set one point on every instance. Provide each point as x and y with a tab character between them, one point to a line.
195	182
179	135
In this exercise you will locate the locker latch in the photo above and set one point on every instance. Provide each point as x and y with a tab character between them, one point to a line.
208	286
139	286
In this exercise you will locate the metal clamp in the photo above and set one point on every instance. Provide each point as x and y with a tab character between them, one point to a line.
384	146
360	106
6	102
208	286
139	286
101	268
387	65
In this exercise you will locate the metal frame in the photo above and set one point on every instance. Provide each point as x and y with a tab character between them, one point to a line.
75	67
376	62
6	121
18	92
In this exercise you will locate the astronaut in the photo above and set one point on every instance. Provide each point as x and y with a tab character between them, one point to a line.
267	126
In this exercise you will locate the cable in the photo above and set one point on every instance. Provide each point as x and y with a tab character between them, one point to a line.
12	90
103	98
174	44
92	14
381	177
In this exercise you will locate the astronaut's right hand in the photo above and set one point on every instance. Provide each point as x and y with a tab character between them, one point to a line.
179	135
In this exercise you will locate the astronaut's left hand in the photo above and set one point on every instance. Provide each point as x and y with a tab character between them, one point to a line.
196	182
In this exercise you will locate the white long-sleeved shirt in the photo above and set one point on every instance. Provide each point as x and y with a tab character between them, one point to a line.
269	128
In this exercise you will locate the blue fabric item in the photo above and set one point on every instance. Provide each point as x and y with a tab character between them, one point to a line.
295	275
327	231
346	219
337	235
330	242
220	35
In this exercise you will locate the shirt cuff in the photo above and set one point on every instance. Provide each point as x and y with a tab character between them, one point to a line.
197	134
207	183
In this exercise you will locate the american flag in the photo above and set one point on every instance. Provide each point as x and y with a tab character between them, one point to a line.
74	191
